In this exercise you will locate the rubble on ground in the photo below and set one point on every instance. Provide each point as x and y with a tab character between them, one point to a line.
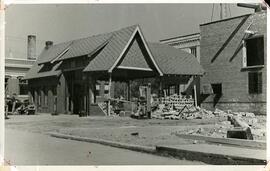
185	112
244	120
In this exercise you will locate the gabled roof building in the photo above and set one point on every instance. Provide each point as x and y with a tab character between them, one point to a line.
67	72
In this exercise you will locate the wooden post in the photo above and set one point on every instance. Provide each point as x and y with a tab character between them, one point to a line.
244	53
90	92
85	99
195	92
72	97
109	99
160	87
148	100
128	91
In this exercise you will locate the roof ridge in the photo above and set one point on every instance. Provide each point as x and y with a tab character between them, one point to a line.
100	34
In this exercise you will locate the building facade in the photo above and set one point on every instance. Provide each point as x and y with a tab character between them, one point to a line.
189	43
233	55
16	68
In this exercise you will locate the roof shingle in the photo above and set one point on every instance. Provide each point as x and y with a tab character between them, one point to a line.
175	61
106	58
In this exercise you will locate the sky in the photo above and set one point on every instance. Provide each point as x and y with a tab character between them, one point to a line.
59	23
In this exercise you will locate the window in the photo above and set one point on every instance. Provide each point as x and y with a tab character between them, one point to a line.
54	91
106	89
255	82
193	51
23	86
217	88
97	92
172	90
253	51
6	82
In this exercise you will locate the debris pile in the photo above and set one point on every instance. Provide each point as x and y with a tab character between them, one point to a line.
218	130
185	112
243	125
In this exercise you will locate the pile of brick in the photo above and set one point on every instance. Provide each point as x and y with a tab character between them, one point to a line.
176	113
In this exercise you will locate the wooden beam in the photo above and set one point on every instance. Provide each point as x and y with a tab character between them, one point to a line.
160	87
109	101
134	68
195	92
128	91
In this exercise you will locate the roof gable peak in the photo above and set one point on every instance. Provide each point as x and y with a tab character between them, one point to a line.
138	31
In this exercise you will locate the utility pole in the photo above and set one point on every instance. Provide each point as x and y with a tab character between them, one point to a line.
221	11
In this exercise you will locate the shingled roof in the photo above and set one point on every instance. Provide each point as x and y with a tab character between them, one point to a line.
113	46
36	71
174	61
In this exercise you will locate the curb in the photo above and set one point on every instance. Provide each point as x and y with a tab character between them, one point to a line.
229	141
106	142
209	158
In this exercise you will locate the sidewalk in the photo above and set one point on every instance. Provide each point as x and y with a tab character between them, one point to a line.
211	154
216	154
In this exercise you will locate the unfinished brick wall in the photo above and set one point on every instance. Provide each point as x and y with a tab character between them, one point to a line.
221	58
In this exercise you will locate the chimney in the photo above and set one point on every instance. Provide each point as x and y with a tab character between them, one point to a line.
31	47
48	44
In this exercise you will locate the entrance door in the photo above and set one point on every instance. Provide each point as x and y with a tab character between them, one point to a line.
78	98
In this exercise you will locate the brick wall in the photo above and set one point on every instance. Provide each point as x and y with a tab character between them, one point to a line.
221	58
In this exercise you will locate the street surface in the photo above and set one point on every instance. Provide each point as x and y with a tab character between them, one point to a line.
25	148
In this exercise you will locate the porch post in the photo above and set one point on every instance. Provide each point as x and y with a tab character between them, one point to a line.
195	92
90	100
160	87
109	99
128	91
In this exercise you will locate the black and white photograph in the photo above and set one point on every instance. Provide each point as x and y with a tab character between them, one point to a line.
135	84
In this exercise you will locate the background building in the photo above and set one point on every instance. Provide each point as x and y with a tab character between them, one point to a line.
189	43
16	68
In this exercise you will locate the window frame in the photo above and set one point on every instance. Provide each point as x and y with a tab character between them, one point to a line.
245	55
195	49
259	83
23	83
214	88
97	90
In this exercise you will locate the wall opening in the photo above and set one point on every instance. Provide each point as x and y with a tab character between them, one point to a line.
23	87
254	51
255	82
217	90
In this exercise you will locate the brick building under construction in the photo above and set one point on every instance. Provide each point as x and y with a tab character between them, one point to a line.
233	55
